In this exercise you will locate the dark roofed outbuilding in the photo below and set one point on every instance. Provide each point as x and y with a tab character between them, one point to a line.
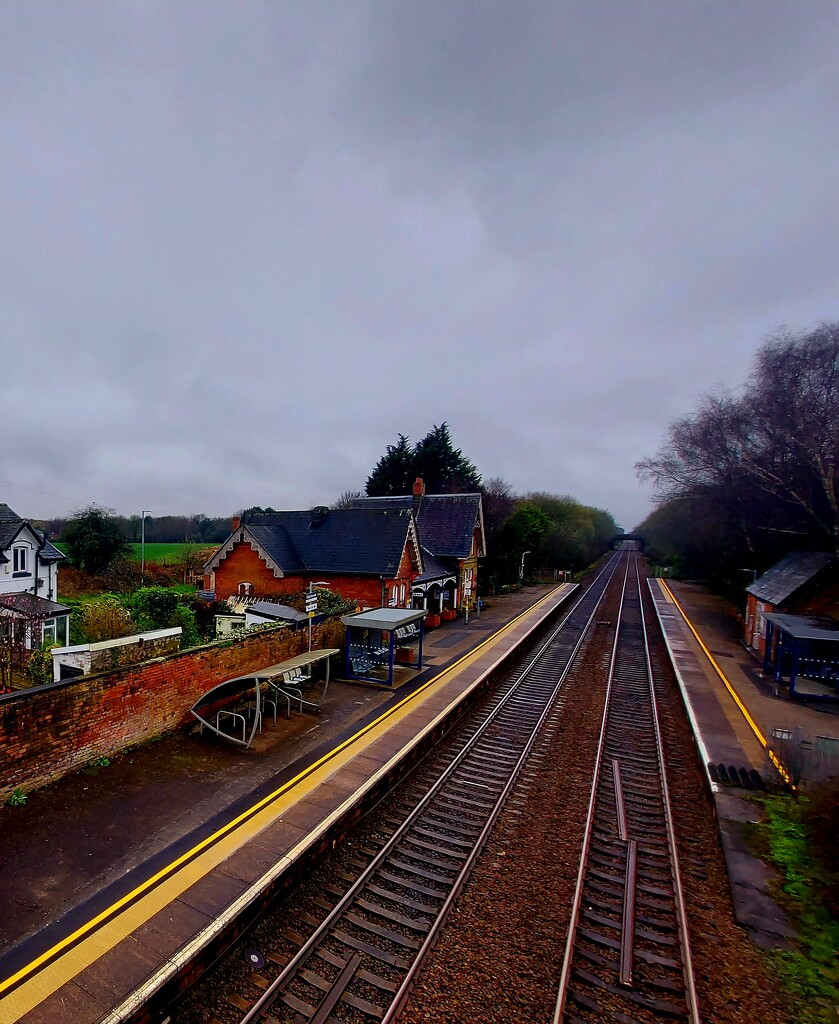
783	581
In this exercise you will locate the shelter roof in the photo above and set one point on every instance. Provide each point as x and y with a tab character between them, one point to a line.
806	627
384	618
299	661
789	575
32	606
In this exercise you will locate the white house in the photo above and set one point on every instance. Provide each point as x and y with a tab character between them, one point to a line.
29	611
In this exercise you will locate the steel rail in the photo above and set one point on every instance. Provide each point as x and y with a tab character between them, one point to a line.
401	996
281	982
626	971
578	889
681	909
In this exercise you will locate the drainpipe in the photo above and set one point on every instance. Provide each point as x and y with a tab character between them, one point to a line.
38	551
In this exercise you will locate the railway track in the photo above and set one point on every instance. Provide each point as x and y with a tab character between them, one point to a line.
627	957
379	919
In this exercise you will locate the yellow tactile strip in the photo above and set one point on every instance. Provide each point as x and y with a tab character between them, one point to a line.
49	972
744	711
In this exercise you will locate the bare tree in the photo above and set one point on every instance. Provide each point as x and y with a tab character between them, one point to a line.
770	456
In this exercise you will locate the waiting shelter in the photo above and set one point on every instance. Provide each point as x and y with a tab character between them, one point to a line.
806	647
378	638
241	703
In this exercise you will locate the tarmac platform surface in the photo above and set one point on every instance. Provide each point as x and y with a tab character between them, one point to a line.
117	875
734	712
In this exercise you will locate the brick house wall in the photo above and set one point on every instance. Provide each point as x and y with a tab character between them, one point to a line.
244	565
48	732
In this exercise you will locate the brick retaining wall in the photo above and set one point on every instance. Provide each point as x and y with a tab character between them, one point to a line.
53	730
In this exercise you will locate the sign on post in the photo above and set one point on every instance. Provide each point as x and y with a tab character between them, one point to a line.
311	603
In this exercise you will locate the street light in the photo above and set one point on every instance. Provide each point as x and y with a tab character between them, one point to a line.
143	514
521	570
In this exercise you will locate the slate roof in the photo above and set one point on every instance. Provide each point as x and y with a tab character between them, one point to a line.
446	522
434	569
11	525
271	610
355	541
796	569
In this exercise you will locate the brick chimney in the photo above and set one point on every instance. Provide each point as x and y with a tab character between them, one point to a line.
236	522
419	493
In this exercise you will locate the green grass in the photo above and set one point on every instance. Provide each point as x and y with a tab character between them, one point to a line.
165	553
810	972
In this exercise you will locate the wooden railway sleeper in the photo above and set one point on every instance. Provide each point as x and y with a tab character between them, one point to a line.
336	992
376	980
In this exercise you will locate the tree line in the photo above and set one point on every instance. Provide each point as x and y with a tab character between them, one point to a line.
197	529
534	530
524	532
754	473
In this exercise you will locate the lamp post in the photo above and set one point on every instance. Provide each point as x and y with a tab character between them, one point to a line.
143	514
521	569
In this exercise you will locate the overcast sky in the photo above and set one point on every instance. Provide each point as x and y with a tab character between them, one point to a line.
244	245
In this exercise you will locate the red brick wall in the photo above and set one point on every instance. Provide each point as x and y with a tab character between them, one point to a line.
243	565
49	732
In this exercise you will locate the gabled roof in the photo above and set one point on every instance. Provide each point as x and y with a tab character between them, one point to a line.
11	525
789	575
354	541
434	569
446	522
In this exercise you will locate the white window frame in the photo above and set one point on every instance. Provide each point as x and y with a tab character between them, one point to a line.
20	560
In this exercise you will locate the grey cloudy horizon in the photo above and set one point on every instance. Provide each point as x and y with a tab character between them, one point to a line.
247	245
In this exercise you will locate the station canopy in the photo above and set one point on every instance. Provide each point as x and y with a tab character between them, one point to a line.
804	646
806	627
384	618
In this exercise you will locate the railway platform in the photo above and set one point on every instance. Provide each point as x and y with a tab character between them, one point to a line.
139	936
734	715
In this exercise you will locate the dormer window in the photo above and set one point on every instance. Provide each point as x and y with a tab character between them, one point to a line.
20	561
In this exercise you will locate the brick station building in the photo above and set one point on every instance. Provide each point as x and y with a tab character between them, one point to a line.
369	555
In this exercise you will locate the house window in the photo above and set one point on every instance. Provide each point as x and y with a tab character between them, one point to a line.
246	589
20	561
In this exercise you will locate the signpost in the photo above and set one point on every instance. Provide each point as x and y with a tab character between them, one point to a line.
311	608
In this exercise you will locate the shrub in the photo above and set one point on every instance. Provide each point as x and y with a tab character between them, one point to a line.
40	664
153	607
185	618
105	619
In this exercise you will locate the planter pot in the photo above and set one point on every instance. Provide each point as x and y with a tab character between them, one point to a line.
431	621
448	614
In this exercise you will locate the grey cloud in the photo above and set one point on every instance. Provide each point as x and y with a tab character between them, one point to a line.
246	245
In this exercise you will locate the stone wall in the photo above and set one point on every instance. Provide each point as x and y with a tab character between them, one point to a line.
108	654
49	731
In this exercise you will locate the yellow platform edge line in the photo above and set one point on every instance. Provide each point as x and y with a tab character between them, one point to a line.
734	695
312	770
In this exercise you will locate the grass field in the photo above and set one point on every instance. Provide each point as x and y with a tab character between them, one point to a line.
167	554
